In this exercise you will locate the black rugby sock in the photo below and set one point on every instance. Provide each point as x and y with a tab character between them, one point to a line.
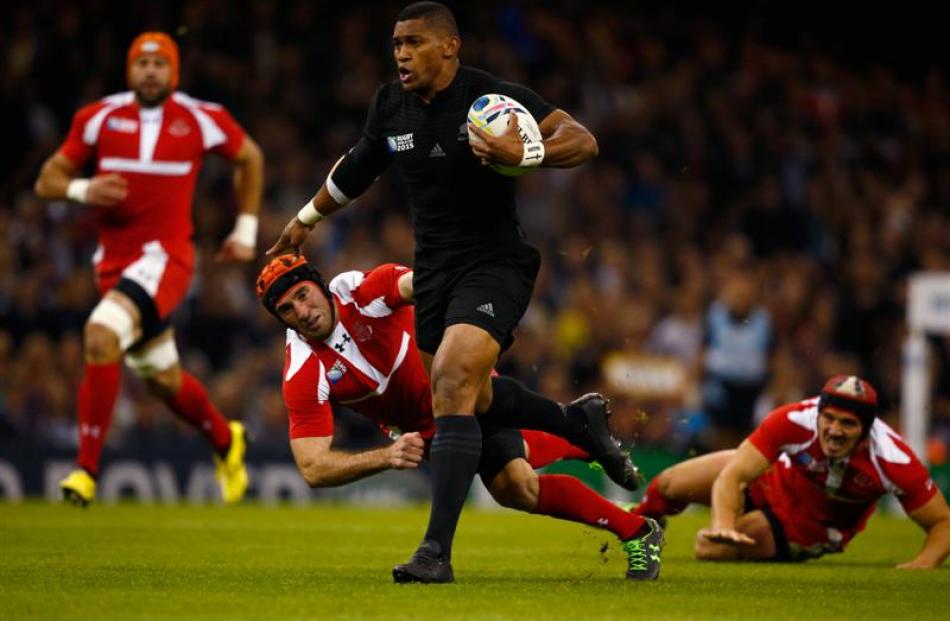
514	405
454	456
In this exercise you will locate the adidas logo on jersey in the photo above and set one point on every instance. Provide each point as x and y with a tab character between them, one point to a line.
486	308
437	151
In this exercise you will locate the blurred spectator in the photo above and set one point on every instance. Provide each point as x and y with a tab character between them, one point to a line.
737	359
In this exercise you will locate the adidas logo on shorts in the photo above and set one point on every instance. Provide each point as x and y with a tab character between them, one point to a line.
486	308
437	151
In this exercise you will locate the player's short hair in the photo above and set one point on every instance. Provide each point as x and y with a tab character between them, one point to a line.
435	13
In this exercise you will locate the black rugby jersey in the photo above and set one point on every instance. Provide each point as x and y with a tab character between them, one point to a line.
458	206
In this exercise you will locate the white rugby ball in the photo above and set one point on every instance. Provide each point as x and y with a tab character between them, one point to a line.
491	114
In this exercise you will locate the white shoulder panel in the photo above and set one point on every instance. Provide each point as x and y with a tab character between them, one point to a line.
211	134
299	352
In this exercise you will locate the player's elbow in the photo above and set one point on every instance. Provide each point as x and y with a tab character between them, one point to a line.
591	148
42	186
39	188
313	475
251	155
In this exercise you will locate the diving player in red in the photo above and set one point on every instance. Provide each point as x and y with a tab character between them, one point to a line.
352	342
147	146
805	482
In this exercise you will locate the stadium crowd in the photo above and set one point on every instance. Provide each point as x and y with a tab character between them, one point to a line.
823	183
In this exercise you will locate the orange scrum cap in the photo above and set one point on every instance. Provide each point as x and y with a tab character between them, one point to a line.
155	43
281	274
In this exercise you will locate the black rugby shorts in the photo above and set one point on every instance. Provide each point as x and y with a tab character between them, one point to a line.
492	293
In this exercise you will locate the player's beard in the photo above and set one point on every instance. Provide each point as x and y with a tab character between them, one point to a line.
154	100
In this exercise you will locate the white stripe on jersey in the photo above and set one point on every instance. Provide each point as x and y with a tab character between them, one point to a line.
90	132
150	122
167	168
343	286
299	352
882	446
384	383
807	418
149	268
323	387
211	134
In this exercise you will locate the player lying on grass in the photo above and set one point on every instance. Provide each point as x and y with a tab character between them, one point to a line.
352	342
805	483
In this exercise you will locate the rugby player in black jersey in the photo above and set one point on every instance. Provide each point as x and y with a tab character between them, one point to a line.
474	271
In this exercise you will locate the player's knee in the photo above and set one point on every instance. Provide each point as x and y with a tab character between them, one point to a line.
158	367
110	330
516	489
455	386
101	344
705	550
665	483
164	384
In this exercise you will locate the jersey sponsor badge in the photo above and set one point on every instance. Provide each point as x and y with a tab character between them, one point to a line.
335	374
362	332
402	142
123	126
179	128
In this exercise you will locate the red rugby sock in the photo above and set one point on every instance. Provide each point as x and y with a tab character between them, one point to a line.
545	448
193	405
655	504
567	498
98	392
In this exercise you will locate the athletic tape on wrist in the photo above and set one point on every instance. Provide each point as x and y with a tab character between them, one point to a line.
245	230
309	215
78	190
532	155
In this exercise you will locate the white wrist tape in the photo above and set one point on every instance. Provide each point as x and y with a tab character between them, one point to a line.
78	190
245	230
533	155
309	214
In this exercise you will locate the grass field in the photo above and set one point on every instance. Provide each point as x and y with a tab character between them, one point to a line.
331	562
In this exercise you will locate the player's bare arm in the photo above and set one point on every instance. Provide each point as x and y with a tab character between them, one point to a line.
727	501
58	181
934	518
321	466
567	143
299	227
248	186
405	286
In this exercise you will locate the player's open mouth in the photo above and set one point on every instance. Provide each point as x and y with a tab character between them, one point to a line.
834	442
404	74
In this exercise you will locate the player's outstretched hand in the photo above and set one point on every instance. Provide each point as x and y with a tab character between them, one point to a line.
406	452
107	190
506	149
233	251
728	536
915	564
290	239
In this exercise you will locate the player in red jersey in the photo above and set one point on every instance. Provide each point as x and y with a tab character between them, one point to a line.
805	482
352	342
146	147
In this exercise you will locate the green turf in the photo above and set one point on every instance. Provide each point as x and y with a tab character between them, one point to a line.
334	563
